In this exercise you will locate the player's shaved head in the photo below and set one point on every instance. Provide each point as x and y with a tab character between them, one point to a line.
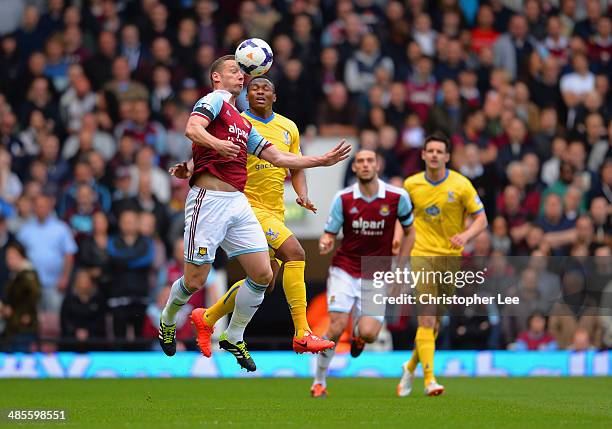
219	63
262	80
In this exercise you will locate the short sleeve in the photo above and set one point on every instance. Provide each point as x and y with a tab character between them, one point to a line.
471	200
404	210
294	147
256	143
208	106
336	217
69	245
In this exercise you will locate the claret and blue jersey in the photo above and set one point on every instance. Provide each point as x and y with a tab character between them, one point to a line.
226	123
368	225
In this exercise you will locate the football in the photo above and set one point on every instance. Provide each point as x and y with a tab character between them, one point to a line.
254	56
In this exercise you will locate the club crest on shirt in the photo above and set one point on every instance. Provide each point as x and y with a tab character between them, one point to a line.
451	197
432	210
353	210
384	210
287	139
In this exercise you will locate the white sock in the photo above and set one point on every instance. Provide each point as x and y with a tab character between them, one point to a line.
356	329
248	299
323	361
179	295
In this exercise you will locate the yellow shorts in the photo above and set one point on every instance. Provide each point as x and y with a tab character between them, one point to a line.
274	228
434	269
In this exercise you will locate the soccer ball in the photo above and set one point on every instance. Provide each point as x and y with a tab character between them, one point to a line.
254	56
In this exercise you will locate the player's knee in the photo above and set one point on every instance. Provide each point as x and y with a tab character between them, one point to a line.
263	276
368	336
194	281
297	253
427	321
291	250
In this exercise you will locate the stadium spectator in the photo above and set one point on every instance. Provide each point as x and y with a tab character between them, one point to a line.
122	87
83	175
82	314
536	337
99	68
512	48
360	68
80	217
93	253
148	228
518	144
49	242
515	316
142	128
144	166
10	185
600	212
421	87
20	299
575	311
6	237
448	115
132	48
294	85
88	140
336	115
131	257
78	100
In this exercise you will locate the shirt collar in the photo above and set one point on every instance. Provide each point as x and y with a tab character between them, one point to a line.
226	95
381	191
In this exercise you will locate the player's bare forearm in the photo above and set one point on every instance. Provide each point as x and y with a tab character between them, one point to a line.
480	224
406	247
298	180
293	161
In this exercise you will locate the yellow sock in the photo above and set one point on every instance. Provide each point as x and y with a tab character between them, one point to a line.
426	347
414	360
295	291
223	306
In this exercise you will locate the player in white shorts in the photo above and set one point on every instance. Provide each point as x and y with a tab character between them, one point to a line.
367	213
217	212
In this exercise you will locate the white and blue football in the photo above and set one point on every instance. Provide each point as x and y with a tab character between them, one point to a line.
254	56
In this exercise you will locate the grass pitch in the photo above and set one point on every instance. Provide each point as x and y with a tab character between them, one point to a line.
285	403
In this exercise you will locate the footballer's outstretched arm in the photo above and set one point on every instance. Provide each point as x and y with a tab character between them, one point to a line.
293	161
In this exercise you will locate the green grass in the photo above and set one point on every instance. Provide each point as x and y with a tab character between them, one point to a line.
285	403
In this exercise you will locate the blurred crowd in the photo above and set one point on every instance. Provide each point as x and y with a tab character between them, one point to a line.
95	94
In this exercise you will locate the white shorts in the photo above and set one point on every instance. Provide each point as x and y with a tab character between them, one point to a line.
345	294
215	218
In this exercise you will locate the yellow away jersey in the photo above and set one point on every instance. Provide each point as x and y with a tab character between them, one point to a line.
265	184
440	209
